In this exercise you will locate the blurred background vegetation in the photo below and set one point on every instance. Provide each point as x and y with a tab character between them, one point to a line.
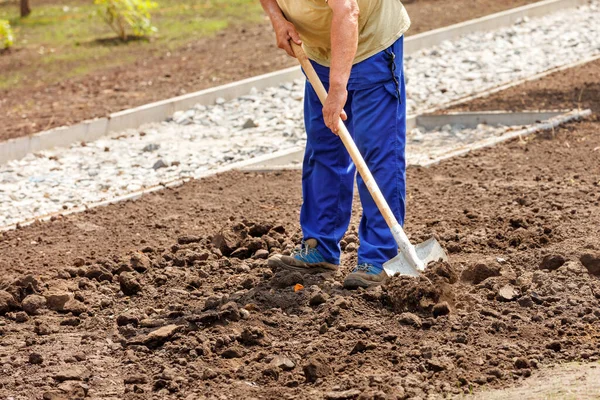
68	38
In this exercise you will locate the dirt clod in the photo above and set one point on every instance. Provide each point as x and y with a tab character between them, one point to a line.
7	302
129	284
410	319
35	358
552	262
477	273
316	367
592	263
33	303
440	309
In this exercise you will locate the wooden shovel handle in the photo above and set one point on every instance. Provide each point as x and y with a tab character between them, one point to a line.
343	133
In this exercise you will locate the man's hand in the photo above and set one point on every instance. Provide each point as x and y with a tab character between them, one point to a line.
285	31
333	109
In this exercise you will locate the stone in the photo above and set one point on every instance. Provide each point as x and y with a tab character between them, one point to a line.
552	262
592	263
151	147
249	124
56	300
134	379
441	309
33	303
98	273
233	352
71	374
318	299
128	319
439	364
521	363
75	307
21	317
315	368
507	293
139	262
261	254
159	164
35	358
410	319
129	284
157	337
7	302
283	363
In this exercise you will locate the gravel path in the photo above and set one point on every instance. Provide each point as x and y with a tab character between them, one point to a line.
206	138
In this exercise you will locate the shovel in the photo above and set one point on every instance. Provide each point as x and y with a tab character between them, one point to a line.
411	260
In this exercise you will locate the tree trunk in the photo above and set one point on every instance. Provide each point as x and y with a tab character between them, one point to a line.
25	9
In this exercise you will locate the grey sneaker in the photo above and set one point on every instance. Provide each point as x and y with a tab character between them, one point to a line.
306	260
365	275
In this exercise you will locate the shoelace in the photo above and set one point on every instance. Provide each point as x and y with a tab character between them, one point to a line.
303	250
363	267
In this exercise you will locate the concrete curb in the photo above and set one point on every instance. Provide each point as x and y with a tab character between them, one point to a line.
289	159
90	130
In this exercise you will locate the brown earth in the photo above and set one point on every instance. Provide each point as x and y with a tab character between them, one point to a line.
169	296
576	88
234	54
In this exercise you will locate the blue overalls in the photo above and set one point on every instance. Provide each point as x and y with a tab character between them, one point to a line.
376	109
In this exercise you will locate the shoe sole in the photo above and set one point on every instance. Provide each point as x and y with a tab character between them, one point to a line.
353	282
309	269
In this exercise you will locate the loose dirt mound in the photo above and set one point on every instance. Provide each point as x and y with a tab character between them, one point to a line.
207	313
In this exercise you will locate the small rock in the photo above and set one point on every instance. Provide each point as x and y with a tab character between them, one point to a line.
361	347
316	368
318	298
159	164
129	284
35	358
233	352
410	319
157	337
249	124
525	302
507	293
552	262
440	309
554	345
592	263
21	317
477	273
521	363
209	374
75	307
439	364
56	300
42	329
187	239
98	273
7	302
343	395
283	363
261	254
127	319
140	262
33	303
252	336
151	147
137	379
71	374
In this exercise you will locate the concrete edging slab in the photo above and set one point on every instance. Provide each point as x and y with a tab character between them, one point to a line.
14	149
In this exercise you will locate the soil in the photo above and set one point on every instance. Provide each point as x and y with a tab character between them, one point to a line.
234	52
170	296
575	88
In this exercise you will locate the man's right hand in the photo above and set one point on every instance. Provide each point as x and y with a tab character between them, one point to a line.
285	31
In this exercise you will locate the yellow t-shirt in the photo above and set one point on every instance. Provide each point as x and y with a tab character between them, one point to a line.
380	24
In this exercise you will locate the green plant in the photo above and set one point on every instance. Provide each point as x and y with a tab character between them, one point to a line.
6	34
120	14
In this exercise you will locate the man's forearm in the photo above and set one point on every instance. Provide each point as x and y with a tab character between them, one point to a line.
344	41
272	9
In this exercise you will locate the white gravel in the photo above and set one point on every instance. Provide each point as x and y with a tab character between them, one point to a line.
206	138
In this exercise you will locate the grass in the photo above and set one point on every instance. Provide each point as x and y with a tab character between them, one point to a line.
66	35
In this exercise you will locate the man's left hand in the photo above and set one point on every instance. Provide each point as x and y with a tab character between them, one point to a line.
333	109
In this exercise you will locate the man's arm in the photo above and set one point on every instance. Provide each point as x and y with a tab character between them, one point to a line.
284	30
344	41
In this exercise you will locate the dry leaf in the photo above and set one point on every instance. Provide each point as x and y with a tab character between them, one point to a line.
298	287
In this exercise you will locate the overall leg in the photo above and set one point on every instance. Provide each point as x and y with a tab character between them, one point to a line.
379	114
327	181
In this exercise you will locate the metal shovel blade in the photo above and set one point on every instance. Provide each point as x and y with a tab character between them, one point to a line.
429	250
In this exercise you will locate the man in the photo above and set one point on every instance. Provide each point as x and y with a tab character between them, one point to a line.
356	47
